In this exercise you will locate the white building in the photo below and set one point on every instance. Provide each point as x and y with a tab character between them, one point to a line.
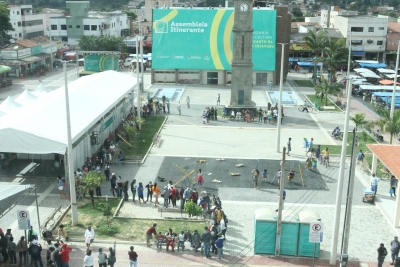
368	35
82	22
328	16
28	25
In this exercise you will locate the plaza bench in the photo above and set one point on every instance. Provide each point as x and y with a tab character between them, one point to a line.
328	108
172	211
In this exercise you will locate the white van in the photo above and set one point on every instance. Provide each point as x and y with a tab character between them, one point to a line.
133	57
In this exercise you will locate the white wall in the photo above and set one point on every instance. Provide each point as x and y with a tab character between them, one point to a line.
15	17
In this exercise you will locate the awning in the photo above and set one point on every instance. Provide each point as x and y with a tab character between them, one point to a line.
378	87
387	82
62	50
369	75
391	76
373	65
7	190
31	59
358	53
307	64
386	71
388	155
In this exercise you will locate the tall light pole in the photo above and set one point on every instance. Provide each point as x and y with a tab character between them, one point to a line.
74	210
348	63
338	206
395	83
278	138
138	86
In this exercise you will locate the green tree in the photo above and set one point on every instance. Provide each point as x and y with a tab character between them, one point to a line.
325	88
106	207
297	12
89	183
335	55
388	124
5	24
358	120
101	43
316	42
130	14
193	209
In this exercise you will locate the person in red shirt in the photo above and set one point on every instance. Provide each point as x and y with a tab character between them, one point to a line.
132	257
64	254
174	194
149	233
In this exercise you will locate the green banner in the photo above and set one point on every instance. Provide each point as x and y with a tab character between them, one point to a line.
202	39
100	62
36	50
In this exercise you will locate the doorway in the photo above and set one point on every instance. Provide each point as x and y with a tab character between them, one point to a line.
262	79
212	77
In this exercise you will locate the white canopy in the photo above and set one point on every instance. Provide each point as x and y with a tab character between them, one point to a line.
386	71
9	189
360	70
367	61
378	87
40	126
9	105
369	75
26	97
391	76
2	113
40	90
360	81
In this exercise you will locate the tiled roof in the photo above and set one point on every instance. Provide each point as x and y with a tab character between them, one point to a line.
394	27
392	40
27	43
388	155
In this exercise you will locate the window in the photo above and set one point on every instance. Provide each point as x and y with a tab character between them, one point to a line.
34	34
20	35
70	26
242	48
356	42
370	29
86	27
53	27
19	23
32	23
357	29
78	26
379	42
17	12
381	28
64	39
93	27
63	27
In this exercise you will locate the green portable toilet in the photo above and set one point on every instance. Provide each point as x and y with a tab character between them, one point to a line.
290	233
264	231
305	248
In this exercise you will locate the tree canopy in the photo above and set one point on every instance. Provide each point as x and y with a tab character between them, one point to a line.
317	42
5	24
326	89
101	43
131	14
335	55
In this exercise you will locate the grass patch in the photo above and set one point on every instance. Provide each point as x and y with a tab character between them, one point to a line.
141	141
314	98
304	83
120	228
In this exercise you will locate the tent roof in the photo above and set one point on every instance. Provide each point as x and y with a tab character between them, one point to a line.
388	155
8	189
369	75
40	90
40	126
9	105
378	87
359	70
386	71
26	97
387	82
373	65
391	76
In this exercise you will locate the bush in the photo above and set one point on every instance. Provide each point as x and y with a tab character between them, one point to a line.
193	209
104	229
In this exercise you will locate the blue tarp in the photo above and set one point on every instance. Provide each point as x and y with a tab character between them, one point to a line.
374	66
292	59
307	64
383	94
358	53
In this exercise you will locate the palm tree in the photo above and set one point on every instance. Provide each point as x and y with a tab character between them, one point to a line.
388	124
325	88
335	54
358	119
316	42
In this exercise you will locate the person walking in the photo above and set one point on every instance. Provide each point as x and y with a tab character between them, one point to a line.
111	257
188	101
382	252
60	186
89	236
218	99
88	260
374	183
179	108
220	246
102	258
394	249
270	85
133	189
206	239
132	257
393	185
289	146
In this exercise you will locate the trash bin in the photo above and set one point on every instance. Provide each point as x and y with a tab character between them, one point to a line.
264	231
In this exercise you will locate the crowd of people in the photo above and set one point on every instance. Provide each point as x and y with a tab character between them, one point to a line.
268	115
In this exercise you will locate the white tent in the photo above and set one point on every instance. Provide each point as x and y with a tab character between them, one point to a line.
369	75
386	71
378	87
391	76
9	105
360	81
40	127
367	61
40	90
360	70
10	189
2	113
26	97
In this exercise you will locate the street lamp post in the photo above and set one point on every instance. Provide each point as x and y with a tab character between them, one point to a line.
278	140
138	83
395	83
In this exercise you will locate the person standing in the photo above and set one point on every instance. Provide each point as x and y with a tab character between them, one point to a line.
149	188
89	236
132	257
174	196
255	173
220	246
120	187
113	183
107	171
111	257
60	186
179	108
168	104
188	101
11	249
394	248
218	100
393	185
382	252
186	196
140	190
289	146
156	193
165	195
270	85
89	259
22	248
125	188
64	253
133	189
374	183
206	239
2	160
34	250
149	234
102	258
318	153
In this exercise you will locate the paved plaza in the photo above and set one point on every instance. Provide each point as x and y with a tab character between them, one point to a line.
185	140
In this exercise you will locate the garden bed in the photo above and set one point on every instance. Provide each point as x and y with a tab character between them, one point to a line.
317	100
304	83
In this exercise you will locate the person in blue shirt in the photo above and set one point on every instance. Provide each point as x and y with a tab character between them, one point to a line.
140	192
219	243
265	174
360	156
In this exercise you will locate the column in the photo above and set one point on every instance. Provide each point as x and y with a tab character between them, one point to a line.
374	162
396	218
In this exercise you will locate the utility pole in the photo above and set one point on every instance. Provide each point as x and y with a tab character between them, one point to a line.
279	221
338	206
395	83
141	59
278	141
349	204
138	82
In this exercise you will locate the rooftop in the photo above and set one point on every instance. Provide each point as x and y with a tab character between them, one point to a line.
394	27
388	155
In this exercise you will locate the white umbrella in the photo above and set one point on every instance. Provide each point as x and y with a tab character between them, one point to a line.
40	90
26	97
9	105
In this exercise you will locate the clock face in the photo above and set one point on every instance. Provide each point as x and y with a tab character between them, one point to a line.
244	7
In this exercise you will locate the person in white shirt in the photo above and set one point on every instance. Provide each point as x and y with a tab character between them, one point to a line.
89	259
374	183
278	175
89	236
181	241
222	225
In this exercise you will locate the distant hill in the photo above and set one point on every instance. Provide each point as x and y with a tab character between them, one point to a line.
94	4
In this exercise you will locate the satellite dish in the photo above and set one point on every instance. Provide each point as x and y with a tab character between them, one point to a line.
16	47
12	41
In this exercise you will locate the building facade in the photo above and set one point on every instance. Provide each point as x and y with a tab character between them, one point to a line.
80	22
